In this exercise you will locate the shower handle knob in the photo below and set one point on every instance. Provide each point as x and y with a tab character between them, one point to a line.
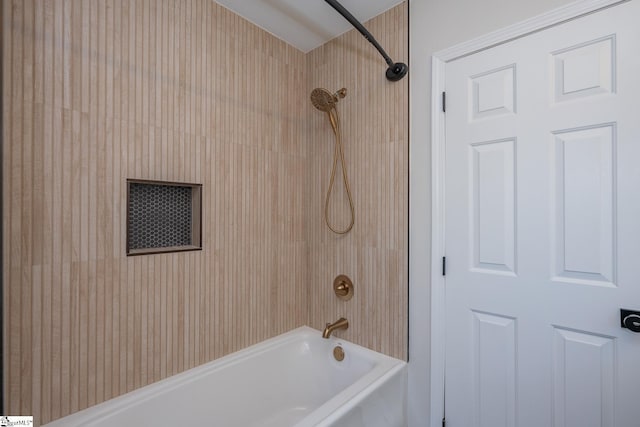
343	287
630	320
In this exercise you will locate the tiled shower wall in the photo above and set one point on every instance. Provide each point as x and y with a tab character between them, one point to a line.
374	121
99	91
95	92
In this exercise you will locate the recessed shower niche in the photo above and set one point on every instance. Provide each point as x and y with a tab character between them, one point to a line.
163	217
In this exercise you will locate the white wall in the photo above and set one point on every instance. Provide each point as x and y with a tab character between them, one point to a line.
435	25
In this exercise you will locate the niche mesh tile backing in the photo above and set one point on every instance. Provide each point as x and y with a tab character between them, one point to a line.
159	216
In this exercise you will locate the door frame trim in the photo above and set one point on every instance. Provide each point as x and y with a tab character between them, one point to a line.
438	77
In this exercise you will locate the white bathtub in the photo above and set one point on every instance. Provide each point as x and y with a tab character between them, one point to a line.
290	380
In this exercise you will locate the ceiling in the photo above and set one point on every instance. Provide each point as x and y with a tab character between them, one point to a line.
305	24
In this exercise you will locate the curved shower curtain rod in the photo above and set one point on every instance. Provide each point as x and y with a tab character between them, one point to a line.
396	70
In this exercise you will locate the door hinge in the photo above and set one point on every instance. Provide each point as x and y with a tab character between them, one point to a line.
444	102
444	266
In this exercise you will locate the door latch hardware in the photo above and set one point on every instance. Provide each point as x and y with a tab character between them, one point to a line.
630	319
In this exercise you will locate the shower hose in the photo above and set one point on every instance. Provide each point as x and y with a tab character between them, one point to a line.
338	152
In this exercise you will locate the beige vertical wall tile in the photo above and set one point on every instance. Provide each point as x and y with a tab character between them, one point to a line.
98	92
374	123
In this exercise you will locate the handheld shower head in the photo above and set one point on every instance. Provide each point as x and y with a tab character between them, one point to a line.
324	100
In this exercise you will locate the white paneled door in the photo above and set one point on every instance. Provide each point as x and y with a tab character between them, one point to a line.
543	227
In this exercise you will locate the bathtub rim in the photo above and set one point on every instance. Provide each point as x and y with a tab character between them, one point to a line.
386	367
332	410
